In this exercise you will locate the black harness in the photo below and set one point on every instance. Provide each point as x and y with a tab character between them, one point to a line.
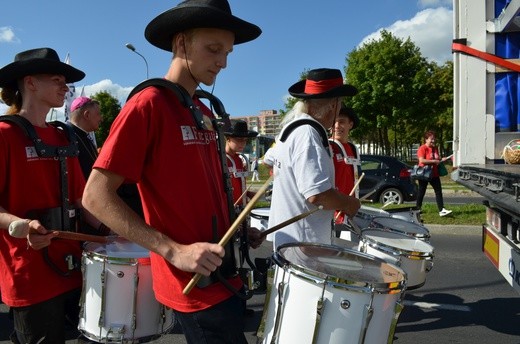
305	121
60	153
54	218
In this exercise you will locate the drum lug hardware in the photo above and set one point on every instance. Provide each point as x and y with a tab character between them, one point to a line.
345	304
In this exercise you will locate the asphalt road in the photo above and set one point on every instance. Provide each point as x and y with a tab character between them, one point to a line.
464	300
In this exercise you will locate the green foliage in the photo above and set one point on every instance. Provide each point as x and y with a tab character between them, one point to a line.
401	96
110	108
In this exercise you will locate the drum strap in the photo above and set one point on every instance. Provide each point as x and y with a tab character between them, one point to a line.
67	213
305	121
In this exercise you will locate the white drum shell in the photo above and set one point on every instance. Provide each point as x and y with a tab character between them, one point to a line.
337	325
108	310
414	256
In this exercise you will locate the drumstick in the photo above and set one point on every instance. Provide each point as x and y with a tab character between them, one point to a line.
288	222
351	193
242	195
20	229
231	231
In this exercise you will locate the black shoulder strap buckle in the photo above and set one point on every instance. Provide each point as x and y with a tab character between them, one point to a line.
179	92
42	149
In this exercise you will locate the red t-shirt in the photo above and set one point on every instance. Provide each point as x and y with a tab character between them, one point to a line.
236	182
28	182
344	173
154	142
428	153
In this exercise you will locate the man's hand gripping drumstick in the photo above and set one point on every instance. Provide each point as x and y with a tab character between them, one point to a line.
231	231
351	193
24	227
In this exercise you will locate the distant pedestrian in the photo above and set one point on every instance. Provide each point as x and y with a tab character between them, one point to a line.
254	168
428	154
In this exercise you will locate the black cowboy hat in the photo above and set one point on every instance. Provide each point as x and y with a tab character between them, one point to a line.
37	61
351	114
191	14
322	83
239	129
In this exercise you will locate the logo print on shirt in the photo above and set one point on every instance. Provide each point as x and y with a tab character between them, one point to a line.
187	133
30	152
190	135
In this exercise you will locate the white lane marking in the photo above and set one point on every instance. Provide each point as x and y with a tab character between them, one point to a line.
429	305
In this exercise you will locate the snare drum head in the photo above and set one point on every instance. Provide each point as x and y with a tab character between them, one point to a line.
118	248
397	240
260	213
401	226
326	261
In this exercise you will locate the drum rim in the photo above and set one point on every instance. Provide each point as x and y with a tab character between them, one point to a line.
425	234
396	251
337	282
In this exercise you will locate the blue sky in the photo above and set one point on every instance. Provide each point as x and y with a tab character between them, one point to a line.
297	35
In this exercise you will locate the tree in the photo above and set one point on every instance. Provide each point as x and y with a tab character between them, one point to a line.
393	79
110	108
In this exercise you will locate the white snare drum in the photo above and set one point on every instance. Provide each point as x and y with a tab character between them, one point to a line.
260	218
414	256
117	303
365	215
401	226
412	214
327	294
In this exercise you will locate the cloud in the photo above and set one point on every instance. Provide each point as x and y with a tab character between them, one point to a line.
7	35
431	30
117	91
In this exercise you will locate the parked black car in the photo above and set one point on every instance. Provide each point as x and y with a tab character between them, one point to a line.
387	179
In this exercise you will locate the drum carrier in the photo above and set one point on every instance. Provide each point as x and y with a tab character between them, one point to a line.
65	217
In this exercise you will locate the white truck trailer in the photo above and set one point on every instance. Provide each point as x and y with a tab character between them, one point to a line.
486	51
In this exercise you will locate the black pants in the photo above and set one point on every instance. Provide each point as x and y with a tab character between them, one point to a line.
44	322
220	324
436	184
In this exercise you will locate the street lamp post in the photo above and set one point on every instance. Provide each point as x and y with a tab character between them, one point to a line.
131	47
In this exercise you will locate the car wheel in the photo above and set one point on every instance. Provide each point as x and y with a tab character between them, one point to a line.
391	195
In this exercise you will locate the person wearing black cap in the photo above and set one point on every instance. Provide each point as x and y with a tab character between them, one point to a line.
156	142
236	140
345	154
36	281
303	168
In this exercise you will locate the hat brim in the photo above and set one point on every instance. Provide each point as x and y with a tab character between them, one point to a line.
250	133
160	30
18	69
297	91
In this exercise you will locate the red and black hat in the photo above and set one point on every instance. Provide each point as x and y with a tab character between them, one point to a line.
191	14
322	83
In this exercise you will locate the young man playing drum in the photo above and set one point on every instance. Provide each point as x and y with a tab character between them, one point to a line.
303	168
345	154
156	142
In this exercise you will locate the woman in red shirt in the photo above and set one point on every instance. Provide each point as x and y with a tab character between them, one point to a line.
428	154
